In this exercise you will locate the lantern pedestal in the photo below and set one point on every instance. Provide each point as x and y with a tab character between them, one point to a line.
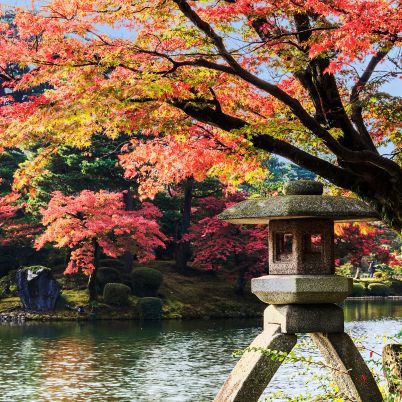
324	324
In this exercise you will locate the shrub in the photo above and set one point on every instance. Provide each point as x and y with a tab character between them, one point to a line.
344	269
112	263
116	294
126	279
146	281
107	275
150	308
379	289
358	290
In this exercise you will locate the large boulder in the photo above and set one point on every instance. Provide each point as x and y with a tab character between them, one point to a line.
37	288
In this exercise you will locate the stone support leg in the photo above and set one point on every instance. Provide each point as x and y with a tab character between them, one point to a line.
253	372
340	352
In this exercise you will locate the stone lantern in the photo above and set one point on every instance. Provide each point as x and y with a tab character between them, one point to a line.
301	290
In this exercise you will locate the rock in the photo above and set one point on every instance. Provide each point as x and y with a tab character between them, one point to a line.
392	362
37	289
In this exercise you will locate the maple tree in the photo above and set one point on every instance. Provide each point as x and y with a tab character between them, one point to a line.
8	209
218	244
354	241
237	78
91	223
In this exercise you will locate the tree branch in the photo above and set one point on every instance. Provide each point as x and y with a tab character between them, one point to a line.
357	88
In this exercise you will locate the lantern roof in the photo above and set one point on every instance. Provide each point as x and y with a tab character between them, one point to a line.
302	199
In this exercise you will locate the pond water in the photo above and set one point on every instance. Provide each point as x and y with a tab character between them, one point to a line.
175	361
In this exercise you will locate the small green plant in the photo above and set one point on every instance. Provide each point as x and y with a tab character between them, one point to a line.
344	269
150	308
379	289
146	281
116	294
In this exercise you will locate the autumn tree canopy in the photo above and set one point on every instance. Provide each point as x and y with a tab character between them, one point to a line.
100	221
298	79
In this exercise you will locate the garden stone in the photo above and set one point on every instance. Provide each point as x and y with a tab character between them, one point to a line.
37	289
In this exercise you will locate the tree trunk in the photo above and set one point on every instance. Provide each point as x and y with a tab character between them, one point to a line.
128	257
92	290
183	249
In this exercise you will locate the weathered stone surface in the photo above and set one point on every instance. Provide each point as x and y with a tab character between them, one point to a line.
305	318
254	371
350	371
261	210
301	289
302	261
303	187
37	289
392	363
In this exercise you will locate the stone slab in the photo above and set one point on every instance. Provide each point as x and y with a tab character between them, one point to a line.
305	318
301	289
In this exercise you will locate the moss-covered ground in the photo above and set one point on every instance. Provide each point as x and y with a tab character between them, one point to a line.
189	295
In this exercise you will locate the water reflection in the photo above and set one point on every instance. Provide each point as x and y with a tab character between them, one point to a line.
159	362
372	310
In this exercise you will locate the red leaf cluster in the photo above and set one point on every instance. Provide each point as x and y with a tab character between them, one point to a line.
78	221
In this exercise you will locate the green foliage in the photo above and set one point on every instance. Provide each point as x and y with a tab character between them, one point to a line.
279	172
35	268
71	170
379	289
76	281
116	294
344	269
150	308
107	275
386	271
359	290
146	281
7	263
8	287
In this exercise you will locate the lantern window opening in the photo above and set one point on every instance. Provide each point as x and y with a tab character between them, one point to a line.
312	243
283	246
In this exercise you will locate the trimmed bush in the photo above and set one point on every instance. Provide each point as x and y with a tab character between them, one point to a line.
116	294
358	290
126	279
150	308
146	281
379	289
111	263
107	275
